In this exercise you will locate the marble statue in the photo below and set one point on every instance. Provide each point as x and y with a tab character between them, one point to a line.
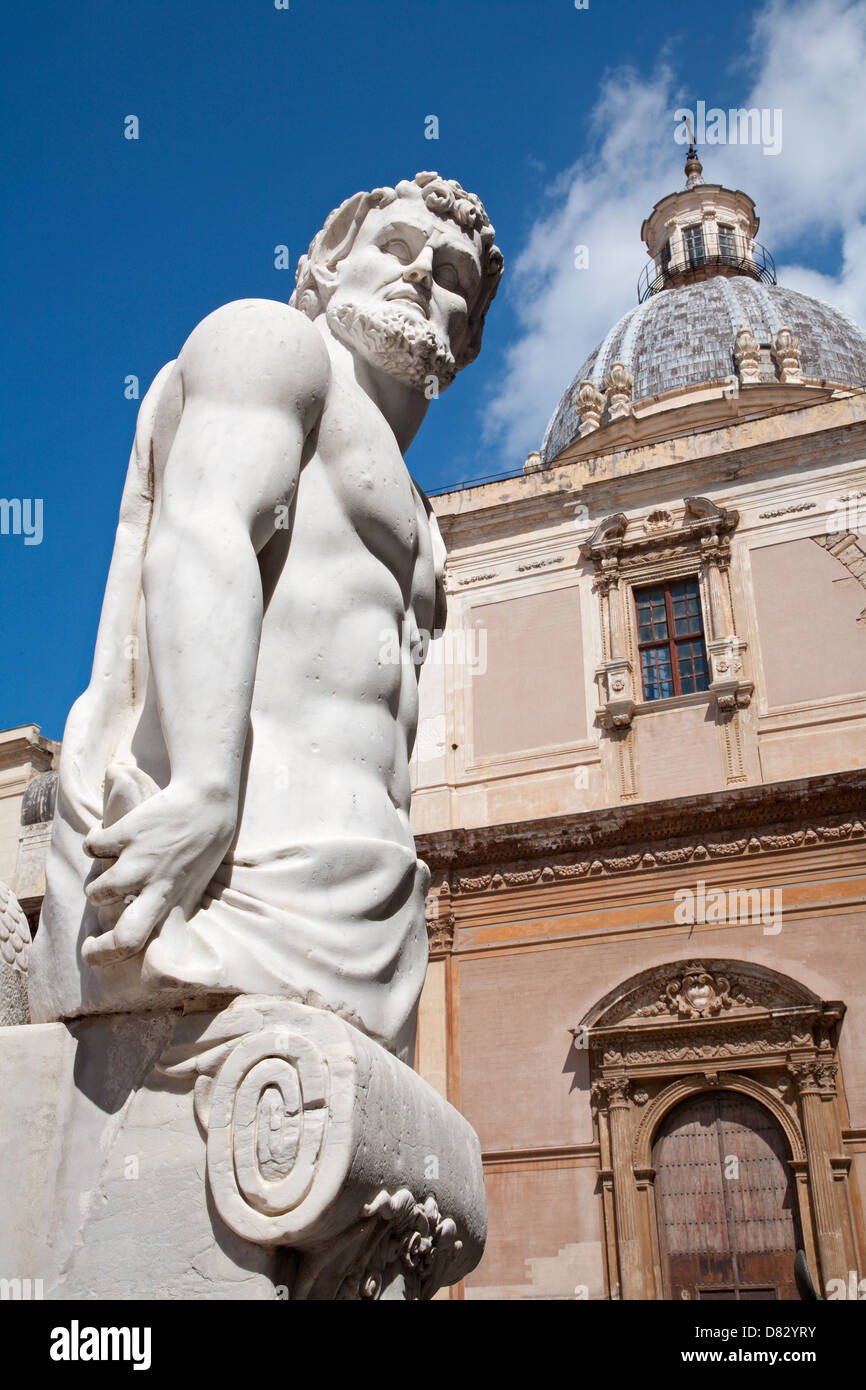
213	1099
225	979
233	807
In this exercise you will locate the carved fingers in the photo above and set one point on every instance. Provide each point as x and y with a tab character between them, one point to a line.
136	924
160	855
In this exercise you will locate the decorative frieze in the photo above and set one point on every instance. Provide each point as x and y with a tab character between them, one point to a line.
541	564
662	857
476	578
820	810
784	511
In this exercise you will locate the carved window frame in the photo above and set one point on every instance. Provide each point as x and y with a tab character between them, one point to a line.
629	553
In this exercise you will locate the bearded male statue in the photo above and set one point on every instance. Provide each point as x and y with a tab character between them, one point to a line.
233	808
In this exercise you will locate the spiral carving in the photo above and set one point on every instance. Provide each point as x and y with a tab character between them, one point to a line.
266	1130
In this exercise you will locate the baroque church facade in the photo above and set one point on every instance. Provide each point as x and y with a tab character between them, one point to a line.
639	785
640	788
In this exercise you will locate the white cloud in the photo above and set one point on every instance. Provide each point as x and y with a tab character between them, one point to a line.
806	59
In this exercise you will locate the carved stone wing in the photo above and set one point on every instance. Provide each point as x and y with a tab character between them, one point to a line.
14	930
14	950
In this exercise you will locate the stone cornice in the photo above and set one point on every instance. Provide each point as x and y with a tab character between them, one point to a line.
730	448
774	816
24	752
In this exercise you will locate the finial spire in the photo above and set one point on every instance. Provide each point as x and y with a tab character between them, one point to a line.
694	167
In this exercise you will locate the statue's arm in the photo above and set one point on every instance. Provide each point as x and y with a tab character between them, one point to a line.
254	377
440	556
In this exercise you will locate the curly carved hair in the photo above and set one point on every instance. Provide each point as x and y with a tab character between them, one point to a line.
315	277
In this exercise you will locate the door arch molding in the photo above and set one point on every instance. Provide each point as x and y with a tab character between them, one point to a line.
691	1025
684	1087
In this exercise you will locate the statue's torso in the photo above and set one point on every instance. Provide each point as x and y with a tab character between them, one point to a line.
348	579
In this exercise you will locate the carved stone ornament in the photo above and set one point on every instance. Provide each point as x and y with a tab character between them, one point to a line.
696	1013
399	1244
696	994
618	544
590	404
703	989
814	1076
319	1140
609	529
617	709
618	385
14	952
440	921
785	349
658	520
747	357
728	684
533	462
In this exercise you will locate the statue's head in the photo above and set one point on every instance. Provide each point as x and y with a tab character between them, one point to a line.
405	276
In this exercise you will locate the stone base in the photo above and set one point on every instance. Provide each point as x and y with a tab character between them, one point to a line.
265	1150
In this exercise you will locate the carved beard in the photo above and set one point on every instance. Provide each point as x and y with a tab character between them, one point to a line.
406	348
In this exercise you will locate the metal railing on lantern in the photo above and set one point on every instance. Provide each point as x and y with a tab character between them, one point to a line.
658	274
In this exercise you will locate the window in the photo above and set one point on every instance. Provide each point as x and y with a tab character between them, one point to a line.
728	245
670	634
693	240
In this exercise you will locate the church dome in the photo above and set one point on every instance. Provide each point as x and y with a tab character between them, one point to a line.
685	336
711	320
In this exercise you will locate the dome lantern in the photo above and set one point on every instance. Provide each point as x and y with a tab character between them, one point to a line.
726	343
701	231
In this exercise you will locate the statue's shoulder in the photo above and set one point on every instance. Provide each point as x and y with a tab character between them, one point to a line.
251	343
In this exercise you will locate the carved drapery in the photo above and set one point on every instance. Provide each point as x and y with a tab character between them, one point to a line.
690	1026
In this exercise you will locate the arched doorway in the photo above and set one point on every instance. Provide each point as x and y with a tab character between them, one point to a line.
727	1211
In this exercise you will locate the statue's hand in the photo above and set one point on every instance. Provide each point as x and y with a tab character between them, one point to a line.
161	855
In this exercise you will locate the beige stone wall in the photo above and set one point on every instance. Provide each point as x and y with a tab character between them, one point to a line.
531	695
807	609
678	751
524	740
545	1236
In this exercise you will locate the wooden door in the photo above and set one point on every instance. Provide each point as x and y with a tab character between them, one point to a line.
725	1200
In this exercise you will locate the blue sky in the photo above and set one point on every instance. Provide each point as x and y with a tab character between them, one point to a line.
255	122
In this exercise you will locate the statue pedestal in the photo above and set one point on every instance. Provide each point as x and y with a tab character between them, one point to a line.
263	1150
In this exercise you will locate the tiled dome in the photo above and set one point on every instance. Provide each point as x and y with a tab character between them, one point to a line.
684	337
